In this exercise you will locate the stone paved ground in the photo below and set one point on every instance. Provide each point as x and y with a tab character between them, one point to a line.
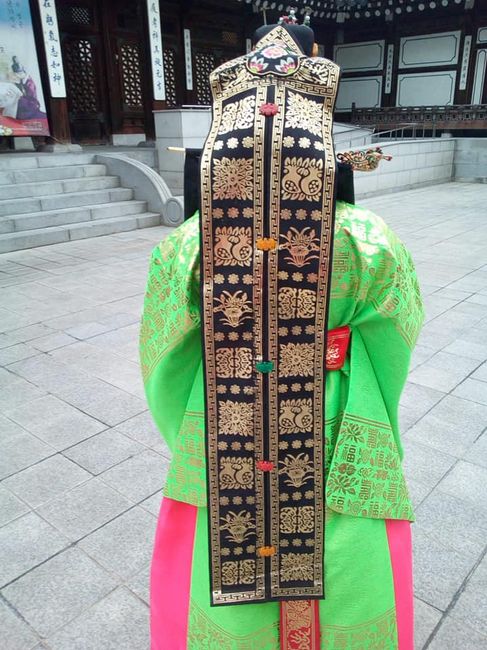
82	464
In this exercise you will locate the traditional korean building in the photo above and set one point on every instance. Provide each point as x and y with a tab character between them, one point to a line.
104	66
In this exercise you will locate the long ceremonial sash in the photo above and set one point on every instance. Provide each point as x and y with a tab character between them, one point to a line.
267	211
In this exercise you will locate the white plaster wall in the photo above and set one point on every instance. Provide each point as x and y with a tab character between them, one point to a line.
364	91
427	50
186	128
414	163
366	55
426	89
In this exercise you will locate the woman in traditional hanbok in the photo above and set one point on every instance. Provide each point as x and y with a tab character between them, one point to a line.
276	336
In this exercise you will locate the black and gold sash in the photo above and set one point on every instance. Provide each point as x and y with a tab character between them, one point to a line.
267	210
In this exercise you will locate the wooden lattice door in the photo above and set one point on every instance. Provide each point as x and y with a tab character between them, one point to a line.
104	65
125	66
83	56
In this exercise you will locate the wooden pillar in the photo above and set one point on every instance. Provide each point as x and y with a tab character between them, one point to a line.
56	107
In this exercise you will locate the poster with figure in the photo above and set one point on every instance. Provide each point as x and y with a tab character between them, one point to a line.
22	106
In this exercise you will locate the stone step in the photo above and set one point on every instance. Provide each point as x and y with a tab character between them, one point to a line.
48	188
50	174
50	218
14	241
9	207
33	161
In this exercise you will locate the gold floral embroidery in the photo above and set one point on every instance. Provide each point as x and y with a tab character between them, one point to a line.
236	418
237	115
297	566
376	634
234	362
297	520
239	525
170	312
365	478
236	472
301	245
296	360
233	178
304	113
296	303
296	416
298	469
236	307
233	246
302	179
241	572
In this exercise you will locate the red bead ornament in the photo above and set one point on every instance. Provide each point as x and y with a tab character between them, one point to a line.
265	465
268	109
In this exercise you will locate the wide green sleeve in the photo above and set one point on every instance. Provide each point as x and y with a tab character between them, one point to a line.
365	476
170	347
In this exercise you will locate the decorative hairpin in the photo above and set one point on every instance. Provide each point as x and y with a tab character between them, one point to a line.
363	161
290	19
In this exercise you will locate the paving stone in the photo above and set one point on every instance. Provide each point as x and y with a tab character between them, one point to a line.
84	509
143	429
25	543
58	590
86	330
15	633
153	504
104	402
52	341
452	425
138	477
51	375
481	373
478	451
56	422
455	635
18	393
467	482
10	506
46	480
105	365
123	546
426	618
446	518
424	464
118	622
472	389
9	429
21	450
439	570
419	399
471	606
16	353
443	371
104	450
7	378
140	584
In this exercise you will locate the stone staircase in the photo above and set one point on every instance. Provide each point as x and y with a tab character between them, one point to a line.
48	198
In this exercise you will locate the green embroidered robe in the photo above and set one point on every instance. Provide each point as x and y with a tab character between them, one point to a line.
374	291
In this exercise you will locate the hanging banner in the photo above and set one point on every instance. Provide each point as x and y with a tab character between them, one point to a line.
52	47
22	107
156	51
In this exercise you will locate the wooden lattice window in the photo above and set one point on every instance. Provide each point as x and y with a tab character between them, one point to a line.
74	15
131	75
204	64
81	76
170	76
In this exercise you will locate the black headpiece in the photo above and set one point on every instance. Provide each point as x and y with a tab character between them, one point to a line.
302	34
